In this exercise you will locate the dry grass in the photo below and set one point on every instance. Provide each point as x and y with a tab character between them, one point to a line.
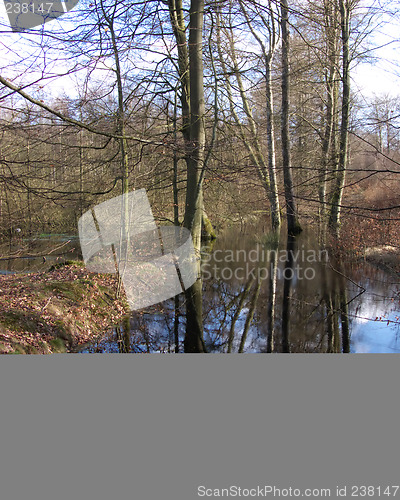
370	230
41	313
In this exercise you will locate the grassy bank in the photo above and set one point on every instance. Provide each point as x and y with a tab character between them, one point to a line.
54	311
374	239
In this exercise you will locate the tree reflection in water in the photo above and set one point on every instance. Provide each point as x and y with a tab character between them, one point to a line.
288	276
194	341
278	311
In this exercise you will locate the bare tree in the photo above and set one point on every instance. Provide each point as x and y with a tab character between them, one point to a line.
345	8
293	224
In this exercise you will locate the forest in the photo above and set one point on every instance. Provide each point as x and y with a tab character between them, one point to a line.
244	123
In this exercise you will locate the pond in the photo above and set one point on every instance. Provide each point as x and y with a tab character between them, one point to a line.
258	295
38	253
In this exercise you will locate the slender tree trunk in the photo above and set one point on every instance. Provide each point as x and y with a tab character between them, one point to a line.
80	172
334	218
327	145
176	161
179	29
28	190
294	227
328	153
268	54
274	198
124	238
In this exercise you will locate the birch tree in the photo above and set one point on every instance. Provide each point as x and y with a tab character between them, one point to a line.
233	67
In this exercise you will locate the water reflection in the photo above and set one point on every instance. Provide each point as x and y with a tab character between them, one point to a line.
38	253
259	294
194	341
287	290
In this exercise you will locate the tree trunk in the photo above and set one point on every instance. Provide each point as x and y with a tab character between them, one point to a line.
124	234
294	227
179	30
267	174
268	55
334	218
328	153
190	70
195	165
194	198
274	198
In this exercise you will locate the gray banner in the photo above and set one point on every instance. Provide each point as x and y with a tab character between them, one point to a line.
26	14
185	427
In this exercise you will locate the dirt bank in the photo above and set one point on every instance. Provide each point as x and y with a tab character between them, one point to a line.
386	257
42	313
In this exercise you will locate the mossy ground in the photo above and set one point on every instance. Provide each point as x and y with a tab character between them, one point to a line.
54	311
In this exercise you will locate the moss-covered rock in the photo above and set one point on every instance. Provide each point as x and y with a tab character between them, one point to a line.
208	232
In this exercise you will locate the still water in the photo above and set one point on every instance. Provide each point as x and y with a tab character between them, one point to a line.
38	253
261	296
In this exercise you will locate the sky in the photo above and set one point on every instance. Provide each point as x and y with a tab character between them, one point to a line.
369	78
383	75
